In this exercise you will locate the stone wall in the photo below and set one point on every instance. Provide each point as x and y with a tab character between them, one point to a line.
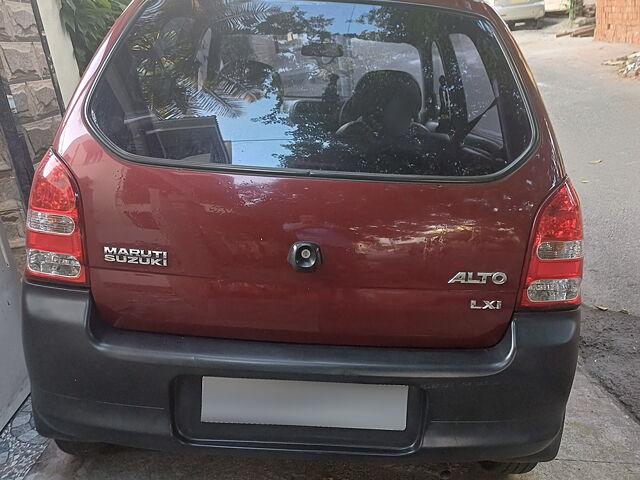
23	67
618	21
11	208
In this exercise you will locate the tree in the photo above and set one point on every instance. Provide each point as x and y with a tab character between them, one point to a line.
575	8
177	82
87	22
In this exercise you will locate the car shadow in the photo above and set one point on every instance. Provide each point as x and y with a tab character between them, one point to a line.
125	464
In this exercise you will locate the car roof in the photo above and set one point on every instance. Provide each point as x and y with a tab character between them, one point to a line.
472	6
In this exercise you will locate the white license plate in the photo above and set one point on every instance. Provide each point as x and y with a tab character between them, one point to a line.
308	404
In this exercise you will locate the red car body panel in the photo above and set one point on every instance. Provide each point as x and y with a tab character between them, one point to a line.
389	248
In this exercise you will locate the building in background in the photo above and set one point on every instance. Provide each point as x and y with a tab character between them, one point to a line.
618	21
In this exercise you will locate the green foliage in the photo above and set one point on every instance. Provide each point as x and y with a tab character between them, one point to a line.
575	9
87	22
172	79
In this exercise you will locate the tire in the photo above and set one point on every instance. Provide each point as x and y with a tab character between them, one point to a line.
80	449
510	468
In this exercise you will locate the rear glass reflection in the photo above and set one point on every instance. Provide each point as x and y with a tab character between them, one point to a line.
322	86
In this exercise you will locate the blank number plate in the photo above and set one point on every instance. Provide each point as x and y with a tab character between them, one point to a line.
308	404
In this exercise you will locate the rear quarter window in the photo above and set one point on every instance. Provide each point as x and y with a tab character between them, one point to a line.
302	86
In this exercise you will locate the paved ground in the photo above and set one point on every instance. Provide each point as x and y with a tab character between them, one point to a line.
601	442
595	115
20	445
596	118
610	351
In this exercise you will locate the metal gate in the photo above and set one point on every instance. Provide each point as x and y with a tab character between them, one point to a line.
14	385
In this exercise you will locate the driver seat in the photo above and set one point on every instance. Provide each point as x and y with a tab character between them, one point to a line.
372	92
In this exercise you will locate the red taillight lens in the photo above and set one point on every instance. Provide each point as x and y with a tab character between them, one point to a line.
54	240
554	273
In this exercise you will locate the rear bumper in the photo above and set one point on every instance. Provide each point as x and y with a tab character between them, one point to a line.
93	382
523	11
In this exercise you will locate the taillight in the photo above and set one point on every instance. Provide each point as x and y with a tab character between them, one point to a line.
554	273
54	240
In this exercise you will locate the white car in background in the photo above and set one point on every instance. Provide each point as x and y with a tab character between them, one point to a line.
514	11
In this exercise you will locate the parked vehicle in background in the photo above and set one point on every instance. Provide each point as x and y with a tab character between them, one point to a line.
306	227
515	11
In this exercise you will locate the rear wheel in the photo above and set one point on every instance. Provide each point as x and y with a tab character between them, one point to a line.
80	449
508	468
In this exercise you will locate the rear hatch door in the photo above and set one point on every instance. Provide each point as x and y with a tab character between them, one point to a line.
213	145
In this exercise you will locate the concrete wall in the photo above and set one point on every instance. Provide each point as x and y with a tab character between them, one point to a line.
556	5
14	385
64	62
24	70
618	21
562	5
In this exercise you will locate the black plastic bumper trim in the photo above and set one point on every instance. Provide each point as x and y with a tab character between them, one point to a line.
91	381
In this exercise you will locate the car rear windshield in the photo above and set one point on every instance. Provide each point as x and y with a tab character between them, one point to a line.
393	89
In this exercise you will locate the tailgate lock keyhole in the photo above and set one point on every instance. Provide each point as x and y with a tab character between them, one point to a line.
305	256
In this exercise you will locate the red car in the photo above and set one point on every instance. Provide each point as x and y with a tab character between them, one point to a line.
305	226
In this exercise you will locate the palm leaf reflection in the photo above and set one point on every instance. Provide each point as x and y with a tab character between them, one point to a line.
181	66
